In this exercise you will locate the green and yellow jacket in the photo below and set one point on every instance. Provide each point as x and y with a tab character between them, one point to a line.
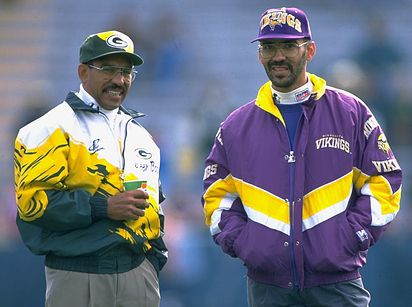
67	163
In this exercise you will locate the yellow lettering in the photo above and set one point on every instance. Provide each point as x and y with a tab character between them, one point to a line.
291	20
370	124
264	21
283	18
298	25
386	166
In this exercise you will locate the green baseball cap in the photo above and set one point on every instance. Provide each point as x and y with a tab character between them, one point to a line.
105	43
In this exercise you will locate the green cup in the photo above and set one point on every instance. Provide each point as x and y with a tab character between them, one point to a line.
135	184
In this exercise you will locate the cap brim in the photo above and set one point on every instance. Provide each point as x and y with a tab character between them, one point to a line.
136	60
282	36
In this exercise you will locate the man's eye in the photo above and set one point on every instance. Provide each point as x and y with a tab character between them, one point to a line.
109	70
289	46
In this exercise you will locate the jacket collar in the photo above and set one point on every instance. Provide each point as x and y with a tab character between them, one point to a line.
79	105
264	98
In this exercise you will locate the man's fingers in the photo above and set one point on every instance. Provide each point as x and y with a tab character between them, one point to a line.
139	194
128	205
136	213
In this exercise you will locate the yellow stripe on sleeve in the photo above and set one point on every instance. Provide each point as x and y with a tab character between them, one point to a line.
327	195
262	201
261	206
382	191
214	196
384	203
359	179
326	201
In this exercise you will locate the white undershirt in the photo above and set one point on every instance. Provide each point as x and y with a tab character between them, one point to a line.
90	101
298	95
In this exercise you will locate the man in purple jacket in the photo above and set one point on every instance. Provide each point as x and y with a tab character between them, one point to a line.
300	181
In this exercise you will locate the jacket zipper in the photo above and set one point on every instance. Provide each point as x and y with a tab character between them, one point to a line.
121	151
291	159
77	104
123	155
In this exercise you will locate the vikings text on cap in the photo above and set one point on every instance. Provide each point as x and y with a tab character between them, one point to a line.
276	17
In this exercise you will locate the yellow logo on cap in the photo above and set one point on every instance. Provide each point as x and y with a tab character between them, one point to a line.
275	18
116	39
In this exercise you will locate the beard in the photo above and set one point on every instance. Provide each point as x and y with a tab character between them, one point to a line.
289	80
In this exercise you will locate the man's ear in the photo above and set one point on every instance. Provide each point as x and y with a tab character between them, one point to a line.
310	51
259	57
82	71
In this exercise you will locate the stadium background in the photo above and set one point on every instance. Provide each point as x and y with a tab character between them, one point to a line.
200	65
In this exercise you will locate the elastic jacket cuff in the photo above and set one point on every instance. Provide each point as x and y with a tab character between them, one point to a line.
98	208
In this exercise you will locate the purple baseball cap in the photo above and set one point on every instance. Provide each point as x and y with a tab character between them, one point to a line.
283	23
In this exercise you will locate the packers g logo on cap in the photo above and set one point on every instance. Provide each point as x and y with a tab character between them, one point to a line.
108	43
116	41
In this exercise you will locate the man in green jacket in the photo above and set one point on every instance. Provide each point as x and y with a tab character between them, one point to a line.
88	189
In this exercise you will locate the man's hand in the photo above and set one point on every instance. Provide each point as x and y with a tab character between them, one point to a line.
127	205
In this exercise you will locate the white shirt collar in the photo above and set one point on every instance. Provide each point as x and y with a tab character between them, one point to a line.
90	101
298	95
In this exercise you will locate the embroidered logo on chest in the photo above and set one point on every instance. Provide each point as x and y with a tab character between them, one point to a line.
95	146
333	141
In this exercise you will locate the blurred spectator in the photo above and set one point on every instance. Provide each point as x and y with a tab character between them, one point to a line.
197	127
8	230
20	262
400	116
160	43
188	269
195	265
380	59
10	3
34	105
212	107
387	92
130	23
346	74
170	54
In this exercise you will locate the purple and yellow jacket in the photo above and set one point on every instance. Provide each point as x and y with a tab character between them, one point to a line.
313	226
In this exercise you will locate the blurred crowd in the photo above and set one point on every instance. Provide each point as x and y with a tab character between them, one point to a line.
185	101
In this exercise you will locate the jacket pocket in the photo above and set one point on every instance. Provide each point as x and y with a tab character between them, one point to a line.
262	249
331	247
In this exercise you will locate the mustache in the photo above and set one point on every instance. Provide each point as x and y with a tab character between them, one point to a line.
115	87
280	63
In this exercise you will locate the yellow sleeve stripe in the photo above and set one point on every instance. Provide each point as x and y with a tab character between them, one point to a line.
262	201
214	196
384	204
381	190
58	162
39	169
327	196
359	179
225	204
260	205
267	221
327	213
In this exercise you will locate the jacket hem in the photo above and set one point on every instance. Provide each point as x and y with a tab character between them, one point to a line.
312	280
110	263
